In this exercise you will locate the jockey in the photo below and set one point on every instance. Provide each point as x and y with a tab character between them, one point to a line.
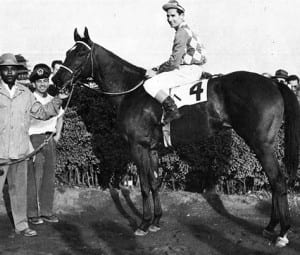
184	65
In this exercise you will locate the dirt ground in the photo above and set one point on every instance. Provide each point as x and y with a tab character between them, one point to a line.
102	222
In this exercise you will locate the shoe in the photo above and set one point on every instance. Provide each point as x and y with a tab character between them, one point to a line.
28	232
171	110
36	220
51	218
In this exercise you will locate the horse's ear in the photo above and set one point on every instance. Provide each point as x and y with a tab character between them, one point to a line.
76	35
86	33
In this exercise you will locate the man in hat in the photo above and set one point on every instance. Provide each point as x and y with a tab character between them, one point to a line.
41	172
293	83
17	106
281	76
184	65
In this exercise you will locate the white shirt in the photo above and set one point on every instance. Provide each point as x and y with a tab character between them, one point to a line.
43	126
11	91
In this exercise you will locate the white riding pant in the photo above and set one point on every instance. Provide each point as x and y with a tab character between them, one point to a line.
158	86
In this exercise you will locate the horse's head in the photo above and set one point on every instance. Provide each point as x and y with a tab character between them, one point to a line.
77	64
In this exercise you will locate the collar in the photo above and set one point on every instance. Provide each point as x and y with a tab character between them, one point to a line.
4	89
181	25
38	95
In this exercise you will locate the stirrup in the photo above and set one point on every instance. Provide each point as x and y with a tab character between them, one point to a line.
170	117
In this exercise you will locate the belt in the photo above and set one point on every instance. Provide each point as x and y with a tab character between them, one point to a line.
46	133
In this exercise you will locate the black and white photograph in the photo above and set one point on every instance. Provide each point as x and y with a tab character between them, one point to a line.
163	127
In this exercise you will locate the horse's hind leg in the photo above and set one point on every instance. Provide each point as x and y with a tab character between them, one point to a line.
280	211
142	159
154	186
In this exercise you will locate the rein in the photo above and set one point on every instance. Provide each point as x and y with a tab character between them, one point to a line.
114	93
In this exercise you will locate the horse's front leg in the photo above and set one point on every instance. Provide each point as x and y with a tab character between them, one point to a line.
142	159
154	186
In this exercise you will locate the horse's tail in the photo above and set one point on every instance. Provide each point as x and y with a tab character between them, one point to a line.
291	130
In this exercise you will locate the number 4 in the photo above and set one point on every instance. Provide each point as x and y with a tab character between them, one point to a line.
196	89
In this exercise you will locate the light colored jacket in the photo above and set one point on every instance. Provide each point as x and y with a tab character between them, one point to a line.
43	126
15	115
187	50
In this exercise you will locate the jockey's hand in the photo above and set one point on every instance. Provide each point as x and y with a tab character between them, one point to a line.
150	73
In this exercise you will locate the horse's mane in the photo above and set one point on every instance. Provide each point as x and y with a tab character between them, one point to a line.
123	62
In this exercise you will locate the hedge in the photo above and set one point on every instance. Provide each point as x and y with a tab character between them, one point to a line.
92	152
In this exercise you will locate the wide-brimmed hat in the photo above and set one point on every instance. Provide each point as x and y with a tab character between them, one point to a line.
173	4
280	73
9	59
40	71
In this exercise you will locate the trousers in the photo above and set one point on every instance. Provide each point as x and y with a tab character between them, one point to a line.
159	85
16	175
41	174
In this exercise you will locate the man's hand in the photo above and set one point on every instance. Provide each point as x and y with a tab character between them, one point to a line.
150	73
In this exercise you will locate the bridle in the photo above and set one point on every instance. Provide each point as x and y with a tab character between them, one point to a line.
76	74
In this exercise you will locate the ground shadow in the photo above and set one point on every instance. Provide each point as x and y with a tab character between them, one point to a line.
116	198
220	243
121	240
264	207
126	195
73	238
216	203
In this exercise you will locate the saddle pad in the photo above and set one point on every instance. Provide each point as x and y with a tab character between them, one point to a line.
187	94
191	93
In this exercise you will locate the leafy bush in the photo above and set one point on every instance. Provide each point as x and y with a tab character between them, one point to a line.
92	153
91	143
76	162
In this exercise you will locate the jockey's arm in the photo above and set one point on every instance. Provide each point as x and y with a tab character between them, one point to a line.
178	50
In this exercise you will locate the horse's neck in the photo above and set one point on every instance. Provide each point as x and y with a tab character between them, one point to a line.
115	74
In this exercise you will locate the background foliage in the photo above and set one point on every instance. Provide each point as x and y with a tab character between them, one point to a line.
91	152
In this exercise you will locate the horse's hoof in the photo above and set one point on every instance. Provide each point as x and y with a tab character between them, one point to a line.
140	232
154	228
281	241
268	234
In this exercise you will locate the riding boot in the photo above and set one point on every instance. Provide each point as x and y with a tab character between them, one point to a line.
171	110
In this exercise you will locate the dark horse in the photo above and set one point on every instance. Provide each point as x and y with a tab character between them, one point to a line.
254	106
